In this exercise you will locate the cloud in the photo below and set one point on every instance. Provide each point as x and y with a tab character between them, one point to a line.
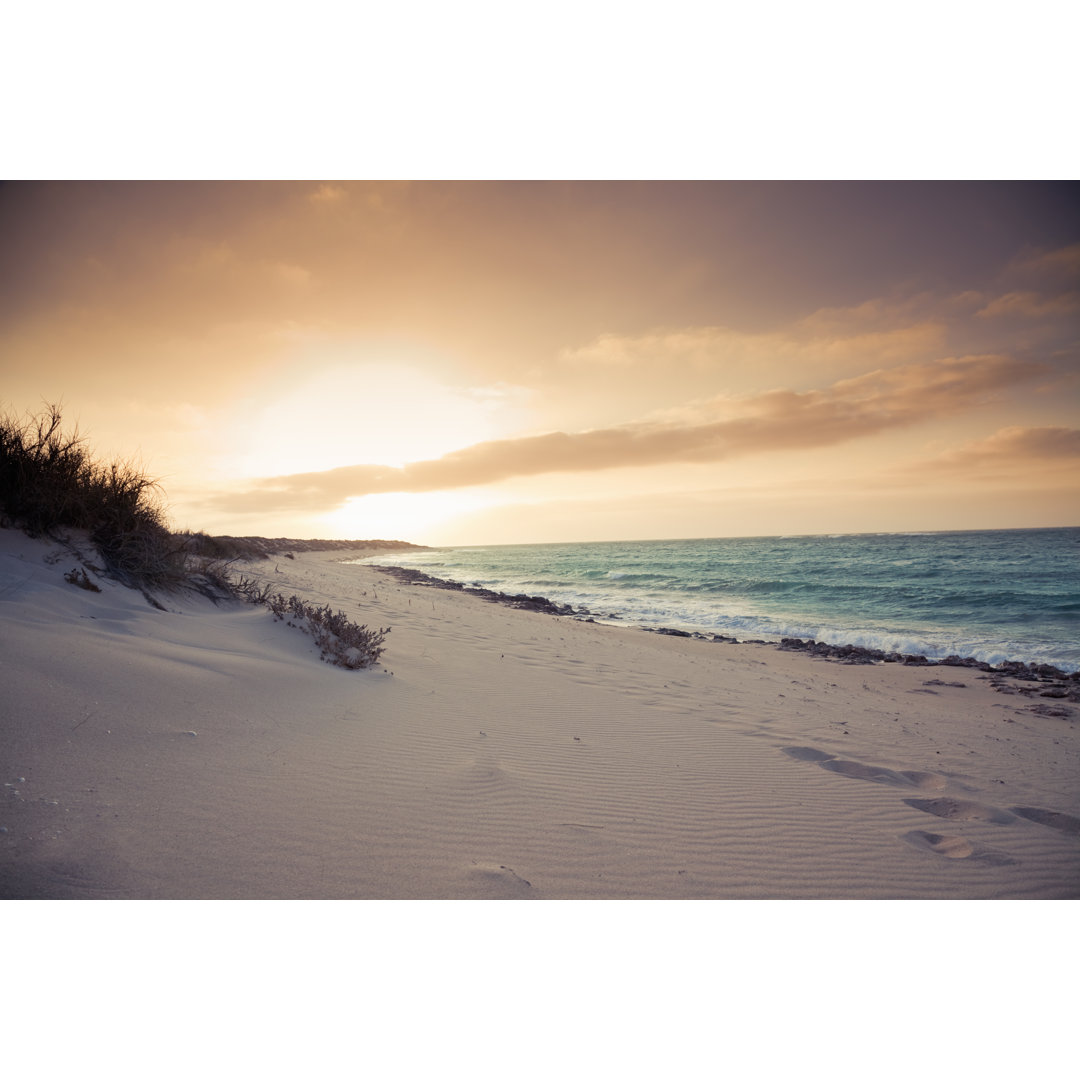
291	274
1063	262
871	333
775	421
1036	285
1031	305
327	193
1012	449
220	266
696	345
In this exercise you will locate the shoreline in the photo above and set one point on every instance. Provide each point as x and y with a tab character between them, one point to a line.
996	596
849	654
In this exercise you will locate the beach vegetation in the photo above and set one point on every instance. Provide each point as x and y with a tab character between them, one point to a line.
79	577
51	482
340	641
228	548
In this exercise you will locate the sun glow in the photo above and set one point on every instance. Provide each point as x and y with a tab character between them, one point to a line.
404	516
362	413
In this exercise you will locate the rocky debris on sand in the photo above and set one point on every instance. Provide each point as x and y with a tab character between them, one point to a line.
1059	685
1039	675
853	654
519	600
857	654
1013	669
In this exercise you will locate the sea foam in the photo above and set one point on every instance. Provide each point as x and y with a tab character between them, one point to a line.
996	595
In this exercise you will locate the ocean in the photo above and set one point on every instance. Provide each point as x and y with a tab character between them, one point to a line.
994	595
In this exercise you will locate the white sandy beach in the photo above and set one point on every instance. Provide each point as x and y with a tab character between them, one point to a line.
206	752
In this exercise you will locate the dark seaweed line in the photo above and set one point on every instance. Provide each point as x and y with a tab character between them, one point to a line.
850	654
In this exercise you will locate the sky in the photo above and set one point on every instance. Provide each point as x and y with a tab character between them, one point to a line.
482	362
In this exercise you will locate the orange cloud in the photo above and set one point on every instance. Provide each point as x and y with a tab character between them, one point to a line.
1013	449
865	334
777	420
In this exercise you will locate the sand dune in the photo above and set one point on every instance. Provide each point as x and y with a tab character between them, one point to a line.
205	752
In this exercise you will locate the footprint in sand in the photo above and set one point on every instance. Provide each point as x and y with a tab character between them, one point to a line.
950	847
807	753
959	810
1065	823
878	774
956	847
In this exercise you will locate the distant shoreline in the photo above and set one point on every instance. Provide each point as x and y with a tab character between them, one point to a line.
264	547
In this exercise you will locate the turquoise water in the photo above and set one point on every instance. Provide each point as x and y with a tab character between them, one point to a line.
998	595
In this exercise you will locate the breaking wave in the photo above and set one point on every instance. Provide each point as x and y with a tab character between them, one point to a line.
996	595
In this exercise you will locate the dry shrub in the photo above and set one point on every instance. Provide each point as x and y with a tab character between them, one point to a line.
340	641
80	578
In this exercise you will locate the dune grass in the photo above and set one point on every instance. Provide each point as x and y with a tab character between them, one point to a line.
50	481
225	548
